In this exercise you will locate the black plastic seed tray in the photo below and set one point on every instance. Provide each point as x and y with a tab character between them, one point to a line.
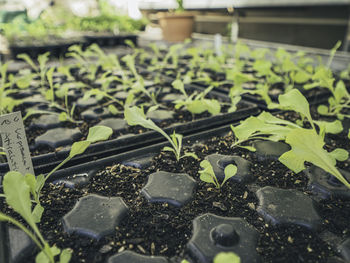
46	162
137	158
56	50
211	233
110	40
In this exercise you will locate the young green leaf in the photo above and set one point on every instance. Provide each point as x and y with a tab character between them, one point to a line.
188	154
17	194
63	116
322	109
300	76
66	255
307	145
333	127
135	116
99	133
207	175
179	85
332	53
294	100
27	59
227	257
113	109
340	154
230	171
37	213
78	148
42	256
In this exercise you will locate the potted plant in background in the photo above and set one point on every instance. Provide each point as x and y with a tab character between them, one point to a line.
178	25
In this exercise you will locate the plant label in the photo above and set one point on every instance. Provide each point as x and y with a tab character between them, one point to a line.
218	44
14	141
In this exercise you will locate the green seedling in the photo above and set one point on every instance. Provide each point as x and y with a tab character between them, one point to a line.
207	175
337	103
41	69
36	183
139	87
135	116
50	94
65	70
96	133
130	63
18	190
307	144
7	103
99	94
323	76
22	80
196	103
17	193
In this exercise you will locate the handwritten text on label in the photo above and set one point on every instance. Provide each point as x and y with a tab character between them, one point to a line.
14	140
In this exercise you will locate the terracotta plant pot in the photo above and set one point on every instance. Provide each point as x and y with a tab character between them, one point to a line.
176	27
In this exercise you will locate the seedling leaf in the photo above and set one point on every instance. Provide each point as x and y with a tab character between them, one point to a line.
136	116
230	171
227	257
17	194
333	127
292	161
322	109
99	133
294	100
307	145
37	213
249	148
27	59
193	155
168	149
63	116
113	109
340	154
78	148
65	255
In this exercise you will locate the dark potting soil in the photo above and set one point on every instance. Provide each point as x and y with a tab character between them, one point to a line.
161	229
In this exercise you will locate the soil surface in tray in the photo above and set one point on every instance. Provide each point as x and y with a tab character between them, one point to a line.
164	230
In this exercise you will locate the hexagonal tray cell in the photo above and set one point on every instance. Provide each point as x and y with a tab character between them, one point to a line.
95	216
326	185
172	188
214	234
278	206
